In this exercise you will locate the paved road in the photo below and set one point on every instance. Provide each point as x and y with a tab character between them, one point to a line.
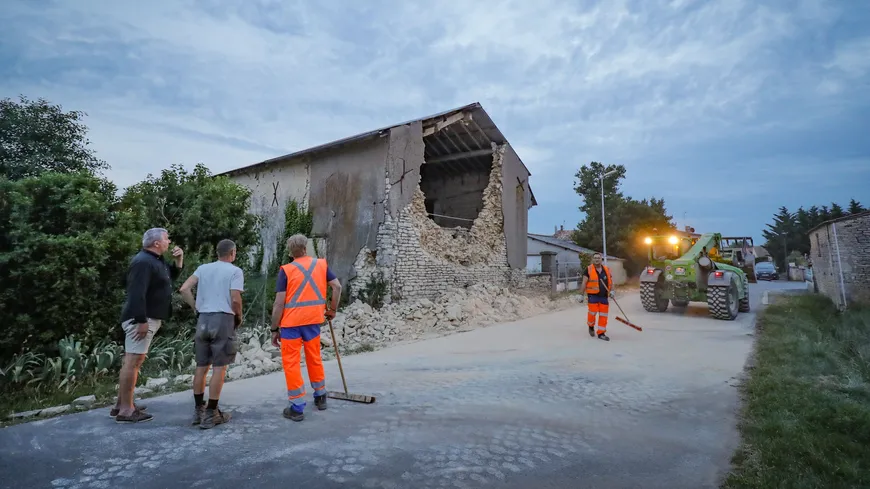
534	403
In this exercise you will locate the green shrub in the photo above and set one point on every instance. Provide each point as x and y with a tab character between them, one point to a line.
63	260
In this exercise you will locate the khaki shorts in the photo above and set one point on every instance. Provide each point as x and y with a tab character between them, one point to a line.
139	347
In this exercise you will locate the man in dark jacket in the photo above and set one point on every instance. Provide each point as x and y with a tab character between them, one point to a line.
148	304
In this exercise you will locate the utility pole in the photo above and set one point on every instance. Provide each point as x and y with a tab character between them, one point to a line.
603	228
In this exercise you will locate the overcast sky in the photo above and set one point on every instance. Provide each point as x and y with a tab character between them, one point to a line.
727	109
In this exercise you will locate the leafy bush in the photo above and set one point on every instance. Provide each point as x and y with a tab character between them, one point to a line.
63	257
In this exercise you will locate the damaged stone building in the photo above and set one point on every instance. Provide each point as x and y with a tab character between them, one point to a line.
422	206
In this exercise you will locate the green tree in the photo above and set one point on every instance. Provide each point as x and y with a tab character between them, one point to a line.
197	209
837	211
626	218
63	256
37	137
781	235
855	207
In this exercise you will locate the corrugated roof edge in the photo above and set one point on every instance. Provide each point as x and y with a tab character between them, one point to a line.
568	245
373	133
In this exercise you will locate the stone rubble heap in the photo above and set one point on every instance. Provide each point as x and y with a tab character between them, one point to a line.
359	326
459	309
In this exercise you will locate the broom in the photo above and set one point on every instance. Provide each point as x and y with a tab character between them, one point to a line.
345	396
625	321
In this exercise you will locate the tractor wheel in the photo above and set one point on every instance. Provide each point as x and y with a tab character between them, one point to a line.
679	303
651	296
744	303
723	301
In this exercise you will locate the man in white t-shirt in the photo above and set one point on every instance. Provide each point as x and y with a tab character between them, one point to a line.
218	303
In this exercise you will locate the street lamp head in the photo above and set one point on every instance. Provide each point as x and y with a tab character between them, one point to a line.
611	172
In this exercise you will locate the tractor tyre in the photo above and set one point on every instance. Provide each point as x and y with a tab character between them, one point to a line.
651	297
744	303
679	303
723	301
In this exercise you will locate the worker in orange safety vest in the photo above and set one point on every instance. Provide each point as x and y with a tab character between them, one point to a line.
598	286
298	313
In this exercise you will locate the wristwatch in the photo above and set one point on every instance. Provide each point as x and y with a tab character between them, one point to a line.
274	330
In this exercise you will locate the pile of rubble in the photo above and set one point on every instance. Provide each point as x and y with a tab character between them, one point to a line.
460	309
359	327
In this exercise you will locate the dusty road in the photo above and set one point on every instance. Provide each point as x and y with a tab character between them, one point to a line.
534	403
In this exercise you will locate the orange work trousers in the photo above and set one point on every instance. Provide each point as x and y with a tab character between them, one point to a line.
601	306
293	341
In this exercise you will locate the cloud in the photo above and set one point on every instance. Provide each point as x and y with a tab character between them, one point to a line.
726	109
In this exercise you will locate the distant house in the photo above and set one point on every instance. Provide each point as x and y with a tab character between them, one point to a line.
562	233
567	256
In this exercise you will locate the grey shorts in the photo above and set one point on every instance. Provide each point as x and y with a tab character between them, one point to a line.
215	339
139	347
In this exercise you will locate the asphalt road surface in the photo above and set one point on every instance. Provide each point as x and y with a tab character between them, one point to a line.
534	403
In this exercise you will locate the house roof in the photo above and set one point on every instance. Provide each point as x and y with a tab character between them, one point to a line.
455	145
565	244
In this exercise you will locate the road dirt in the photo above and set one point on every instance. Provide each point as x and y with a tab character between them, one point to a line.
533	403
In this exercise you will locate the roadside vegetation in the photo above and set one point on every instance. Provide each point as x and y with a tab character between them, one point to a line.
67	234
806	418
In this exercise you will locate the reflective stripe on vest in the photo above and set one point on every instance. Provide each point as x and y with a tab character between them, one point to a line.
592	286
307	303
307	279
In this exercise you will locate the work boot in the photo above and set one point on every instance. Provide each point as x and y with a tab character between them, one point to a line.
320	402
198	414
602	336
592	331
213	417
293	414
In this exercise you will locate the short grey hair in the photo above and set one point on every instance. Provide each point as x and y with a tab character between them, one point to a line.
225	247
297	244
152	235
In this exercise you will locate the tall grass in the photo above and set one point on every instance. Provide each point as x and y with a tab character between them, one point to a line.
806	420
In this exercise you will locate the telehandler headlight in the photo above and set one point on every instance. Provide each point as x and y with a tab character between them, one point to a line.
673	240
648	240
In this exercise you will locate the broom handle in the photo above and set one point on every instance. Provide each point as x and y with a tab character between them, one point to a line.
617	304
337	356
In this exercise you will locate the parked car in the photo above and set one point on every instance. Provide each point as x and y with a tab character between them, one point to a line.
765	270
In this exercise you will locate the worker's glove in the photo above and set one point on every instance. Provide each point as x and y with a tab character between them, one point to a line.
611	293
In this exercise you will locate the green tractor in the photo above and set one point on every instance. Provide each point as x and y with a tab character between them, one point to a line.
685	269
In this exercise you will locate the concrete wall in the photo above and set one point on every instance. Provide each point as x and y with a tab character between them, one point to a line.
344	188
516	200
842	246
347	199
271	188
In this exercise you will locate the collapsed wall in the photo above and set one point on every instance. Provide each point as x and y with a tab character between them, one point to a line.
417	258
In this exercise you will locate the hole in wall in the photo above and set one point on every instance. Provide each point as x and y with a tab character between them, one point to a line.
454	174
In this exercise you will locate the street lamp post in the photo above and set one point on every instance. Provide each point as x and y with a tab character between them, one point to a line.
603	229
